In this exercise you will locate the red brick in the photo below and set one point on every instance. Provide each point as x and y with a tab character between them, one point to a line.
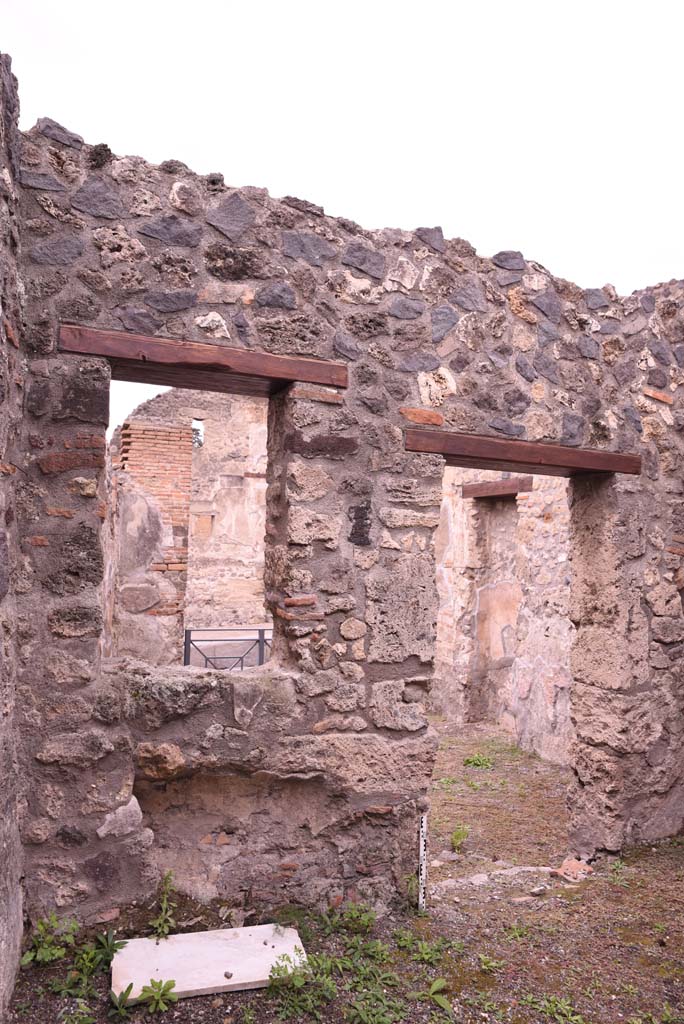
659	396
61	462
424	416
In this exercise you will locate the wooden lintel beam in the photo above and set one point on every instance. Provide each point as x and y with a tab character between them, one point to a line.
477	451
497	488
191	364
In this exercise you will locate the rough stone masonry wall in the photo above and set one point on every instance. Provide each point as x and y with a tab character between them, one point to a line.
11	393
503	632
328	750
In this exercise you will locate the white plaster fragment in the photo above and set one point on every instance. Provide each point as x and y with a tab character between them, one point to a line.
122	821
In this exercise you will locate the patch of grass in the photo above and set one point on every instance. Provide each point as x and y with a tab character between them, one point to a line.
458	837
479	760
516	931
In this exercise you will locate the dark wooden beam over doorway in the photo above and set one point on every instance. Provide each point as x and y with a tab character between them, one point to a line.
476	451
197	364
497	488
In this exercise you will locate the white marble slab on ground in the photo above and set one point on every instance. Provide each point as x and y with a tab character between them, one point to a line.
202	963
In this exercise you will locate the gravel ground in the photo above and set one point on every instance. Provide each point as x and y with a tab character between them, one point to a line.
523	945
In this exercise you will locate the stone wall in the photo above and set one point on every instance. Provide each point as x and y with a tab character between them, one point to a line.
432	333
11	394
504	634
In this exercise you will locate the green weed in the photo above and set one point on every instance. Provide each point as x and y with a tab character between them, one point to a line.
435	995
164	922
158	995
301	985
479	760
458	837
50	941
119	1008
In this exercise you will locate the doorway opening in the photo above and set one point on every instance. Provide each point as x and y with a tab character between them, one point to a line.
504	634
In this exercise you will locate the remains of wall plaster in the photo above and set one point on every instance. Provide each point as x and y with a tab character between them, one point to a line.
432	333
11	570
504	635
187	522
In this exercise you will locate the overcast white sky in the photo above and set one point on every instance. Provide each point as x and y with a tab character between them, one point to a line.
554	128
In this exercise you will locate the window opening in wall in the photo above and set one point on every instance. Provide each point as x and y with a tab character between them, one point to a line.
197	433
186	532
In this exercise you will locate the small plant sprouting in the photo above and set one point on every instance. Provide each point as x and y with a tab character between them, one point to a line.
458	837
411	882
50	940
301	985
429	952
108	945
479	760
435	995
555	1007
358	948
158	995
81	1014
373	1006
516	932
119	1007
488	965
165	921
617	873
446	783
404	939
357	918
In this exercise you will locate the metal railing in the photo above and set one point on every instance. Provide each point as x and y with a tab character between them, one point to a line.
231	653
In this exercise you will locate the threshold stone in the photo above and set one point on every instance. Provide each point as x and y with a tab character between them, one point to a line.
201	963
